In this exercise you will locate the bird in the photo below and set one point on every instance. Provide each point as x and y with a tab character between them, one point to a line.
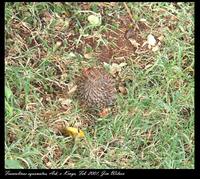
96	90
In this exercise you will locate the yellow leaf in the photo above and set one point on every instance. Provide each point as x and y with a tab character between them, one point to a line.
74	132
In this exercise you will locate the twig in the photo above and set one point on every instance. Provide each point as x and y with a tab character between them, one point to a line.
130	15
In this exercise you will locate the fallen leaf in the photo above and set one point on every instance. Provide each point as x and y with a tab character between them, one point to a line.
122	64
88	55
144	43
123	90
72	90
161	38
49	164
58	126
143	20
134	42
129	33
58	43
156	48
61	24
94	20
70	55
148	66
114	68
46	16
65	102
159	43
151	40
73	132
106	65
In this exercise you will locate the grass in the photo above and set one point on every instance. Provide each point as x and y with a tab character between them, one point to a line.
154	123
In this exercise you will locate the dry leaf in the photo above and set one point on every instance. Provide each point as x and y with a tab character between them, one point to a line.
114	68
156	48
94	20
123	90
159	44
65	102
143	20
64	76
148	66
58	126
49	164
133	42
71	55
61	24
129	34
47	16
161	38
122	64
58	43
151	40
88	55
149	46
72	90
144	43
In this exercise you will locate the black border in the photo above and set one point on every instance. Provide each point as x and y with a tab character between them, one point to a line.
127	172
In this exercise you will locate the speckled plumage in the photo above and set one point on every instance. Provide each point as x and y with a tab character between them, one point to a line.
96	89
